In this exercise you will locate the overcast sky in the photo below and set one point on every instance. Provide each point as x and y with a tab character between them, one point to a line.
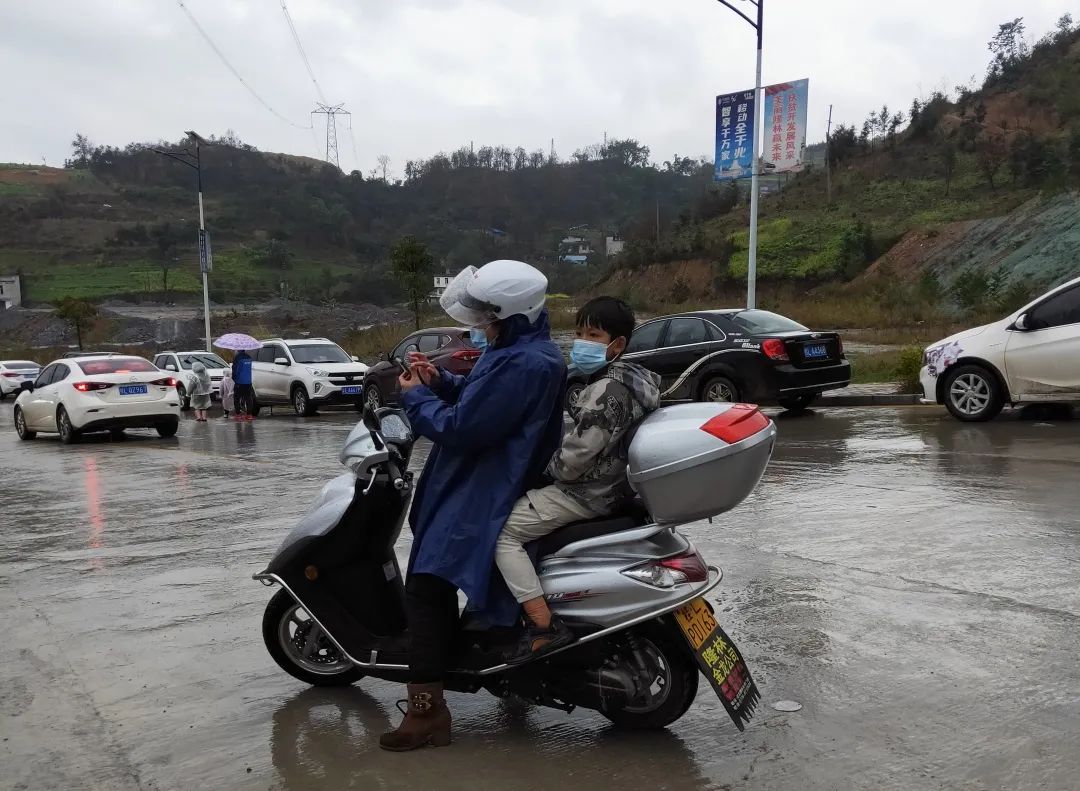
422	76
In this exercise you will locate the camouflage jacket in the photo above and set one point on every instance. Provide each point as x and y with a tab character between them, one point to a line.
590	465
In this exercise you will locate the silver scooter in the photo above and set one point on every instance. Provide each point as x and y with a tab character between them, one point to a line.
631	587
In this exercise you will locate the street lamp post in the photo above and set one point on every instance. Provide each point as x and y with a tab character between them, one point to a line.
194	161
751	272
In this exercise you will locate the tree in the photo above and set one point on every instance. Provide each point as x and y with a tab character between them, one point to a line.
274	254
1009	46
384	166
947	148
990	154
77	312
82	151
414	268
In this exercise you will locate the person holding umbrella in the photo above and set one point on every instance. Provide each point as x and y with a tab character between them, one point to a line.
241	371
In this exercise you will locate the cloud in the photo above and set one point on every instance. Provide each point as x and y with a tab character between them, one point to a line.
426	75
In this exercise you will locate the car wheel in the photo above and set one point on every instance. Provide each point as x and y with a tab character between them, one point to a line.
185	399
301	403
797	403
117	434
720	389
166	430
573	393
20	426
68	434
3	395
972	393
372	398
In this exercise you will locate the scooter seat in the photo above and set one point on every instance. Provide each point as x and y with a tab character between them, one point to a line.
634	516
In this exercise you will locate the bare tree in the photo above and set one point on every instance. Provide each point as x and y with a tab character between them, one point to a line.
384	166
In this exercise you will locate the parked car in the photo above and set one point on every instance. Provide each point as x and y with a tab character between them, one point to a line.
13	373
306	373
1031	355
735	355
180	363
447	347
79	395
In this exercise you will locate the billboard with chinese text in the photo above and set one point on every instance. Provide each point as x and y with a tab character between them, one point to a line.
734	135
785	126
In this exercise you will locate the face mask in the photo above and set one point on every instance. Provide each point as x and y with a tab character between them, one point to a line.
588	356
478	338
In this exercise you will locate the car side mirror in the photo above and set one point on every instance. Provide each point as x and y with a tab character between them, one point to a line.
170	367
27	386
281	361
355	359
1021	322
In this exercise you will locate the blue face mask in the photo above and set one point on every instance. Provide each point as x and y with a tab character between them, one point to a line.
478	338
588	356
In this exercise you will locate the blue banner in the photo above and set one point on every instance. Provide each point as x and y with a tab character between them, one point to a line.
734	135
785	126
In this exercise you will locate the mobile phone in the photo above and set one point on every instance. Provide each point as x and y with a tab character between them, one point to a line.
400	364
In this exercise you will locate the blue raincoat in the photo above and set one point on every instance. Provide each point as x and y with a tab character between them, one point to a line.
494	432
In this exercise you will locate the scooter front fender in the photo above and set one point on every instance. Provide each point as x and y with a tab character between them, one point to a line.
329	507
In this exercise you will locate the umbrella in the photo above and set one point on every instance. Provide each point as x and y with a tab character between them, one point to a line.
237	341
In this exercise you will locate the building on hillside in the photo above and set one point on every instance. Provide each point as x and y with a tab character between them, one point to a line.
575	250
441	282
613	245
10	291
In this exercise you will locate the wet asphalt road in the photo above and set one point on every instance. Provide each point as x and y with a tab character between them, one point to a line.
912	581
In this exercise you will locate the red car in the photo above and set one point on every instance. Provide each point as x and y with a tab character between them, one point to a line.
447	347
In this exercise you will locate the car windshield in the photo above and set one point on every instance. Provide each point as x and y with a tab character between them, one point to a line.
117	365
307	354
762	322
208	361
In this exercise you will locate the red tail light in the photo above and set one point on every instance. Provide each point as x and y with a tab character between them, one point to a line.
774	349
469	355
11	375
86	387
736	423
840	345
690	564
166	382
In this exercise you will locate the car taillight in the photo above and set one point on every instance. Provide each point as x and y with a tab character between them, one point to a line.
840	345
11	374
736	423
466	354
86	387
166	382
774	349
669	572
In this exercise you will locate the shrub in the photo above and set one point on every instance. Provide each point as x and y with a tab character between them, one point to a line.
907	369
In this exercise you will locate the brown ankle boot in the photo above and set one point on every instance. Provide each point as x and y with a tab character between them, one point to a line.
427	720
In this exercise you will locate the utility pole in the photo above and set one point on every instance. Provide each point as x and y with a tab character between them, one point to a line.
828	163
194	161
331	111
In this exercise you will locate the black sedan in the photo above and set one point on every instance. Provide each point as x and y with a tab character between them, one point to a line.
736	355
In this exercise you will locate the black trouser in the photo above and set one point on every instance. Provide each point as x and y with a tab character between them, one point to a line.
244	396
432	607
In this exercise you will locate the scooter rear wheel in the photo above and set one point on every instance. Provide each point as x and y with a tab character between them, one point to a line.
674	687
301	648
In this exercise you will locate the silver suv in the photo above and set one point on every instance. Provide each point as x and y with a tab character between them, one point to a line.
306	373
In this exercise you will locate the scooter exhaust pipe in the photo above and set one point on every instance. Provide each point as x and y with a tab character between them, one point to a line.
595	688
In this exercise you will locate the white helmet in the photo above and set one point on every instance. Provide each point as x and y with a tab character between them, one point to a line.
497	290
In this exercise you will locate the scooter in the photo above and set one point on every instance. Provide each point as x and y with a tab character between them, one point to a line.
632	588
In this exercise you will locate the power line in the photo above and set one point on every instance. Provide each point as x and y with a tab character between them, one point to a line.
331	112
231	68
303	55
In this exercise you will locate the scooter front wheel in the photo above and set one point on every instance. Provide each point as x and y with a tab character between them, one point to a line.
301	648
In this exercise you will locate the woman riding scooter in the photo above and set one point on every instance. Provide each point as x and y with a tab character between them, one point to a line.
493	433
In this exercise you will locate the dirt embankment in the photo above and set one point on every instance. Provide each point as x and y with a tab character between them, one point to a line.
1038	245
661	282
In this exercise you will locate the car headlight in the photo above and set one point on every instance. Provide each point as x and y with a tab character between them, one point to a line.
318	372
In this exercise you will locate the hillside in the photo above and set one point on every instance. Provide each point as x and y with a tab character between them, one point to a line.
121	222
967	202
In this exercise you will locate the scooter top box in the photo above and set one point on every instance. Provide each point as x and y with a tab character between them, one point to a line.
691	461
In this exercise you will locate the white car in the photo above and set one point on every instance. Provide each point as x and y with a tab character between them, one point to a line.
1030	356
80	395
180	363
306	374
13	373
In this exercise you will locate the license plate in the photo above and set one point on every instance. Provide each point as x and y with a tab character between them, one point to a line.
350	391
719	660
132	389
815	352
